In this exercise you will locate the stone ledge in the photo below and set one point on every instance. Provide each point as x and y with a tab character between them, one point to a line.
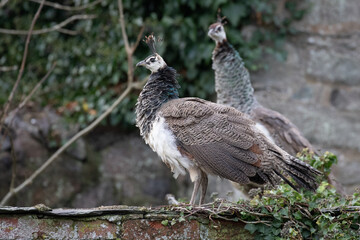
112	222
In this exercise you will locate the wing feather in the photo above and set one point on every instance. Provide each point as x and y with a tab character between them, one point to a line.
285	133
219	138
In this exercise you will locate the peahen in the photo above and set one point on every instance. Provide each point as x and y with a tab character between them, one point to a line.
233	88
201	137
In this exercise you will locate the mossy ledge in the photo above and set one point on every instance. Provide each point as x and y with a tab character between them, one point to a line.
119	222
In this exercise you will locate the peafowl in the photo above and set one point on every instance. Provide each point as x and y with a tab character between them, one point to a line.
200	137
233	88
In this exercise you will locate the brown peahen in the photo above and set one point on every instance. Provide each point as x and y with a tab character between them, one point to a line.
233	88
201	137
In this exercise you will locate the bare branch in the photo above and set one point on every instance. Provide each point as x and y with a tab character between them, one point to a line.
8	68
130	86
30	179
67	31
13	158
57	27
23	103
122	25
69	8
129	49
8	120
7	104
3	3
138	39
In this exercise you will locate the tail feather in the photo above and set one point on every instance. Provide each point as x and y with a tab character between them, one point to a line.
303	174
286	180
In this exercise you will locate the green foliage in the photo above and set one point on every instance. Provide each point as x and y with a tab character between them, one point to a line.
91	66
283	213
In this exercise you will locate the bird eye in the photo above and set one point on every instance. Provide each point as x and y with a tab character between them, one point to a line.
218	29
152	59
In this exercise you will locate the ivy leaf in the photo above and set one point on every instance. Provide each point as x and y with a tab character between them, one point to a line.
250	227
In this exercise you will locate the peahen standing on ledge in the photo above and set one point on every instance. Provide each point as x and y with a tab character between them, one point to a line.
201	137
233	88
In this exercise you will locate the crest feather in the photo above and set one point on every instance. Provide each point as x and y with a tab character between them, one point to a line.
221	20
151	42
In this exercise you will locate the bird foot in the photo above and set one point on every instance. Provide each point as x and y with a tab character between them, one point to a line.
172	200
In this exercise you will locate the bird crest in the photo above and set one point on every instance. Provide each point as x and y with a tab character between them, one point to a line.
151	42
221	20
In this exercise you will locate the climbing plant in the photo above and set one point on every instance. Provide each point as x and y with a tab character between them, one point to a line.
91	59
283	213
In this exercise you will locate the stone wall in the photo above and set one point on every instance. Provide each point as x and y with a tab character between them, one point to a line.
113	222
318	87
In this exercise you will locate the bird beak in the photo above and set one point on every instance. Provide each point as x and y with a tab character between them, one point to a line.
210	32
141	63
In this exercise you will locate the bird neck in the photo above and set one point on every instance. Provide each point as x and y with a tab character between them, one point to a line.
232	79
161	87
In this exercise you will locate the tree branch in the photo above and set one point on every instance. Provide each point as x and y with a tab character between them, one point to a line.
129	49
138	39
130	86
122	25
68	8
67	31
21	71
3	3
13	166
23	103
30	179
57	27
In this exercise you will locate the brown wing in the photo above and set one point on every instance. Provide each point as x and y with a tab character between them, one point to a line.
220	139
284	132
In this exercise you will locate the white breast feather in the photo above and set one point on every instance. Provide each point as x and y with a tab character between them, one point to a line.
163	142
264	131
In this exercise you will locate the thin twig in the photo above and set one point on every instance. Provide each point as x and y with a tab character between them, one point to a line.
30	179
28	97
122	25
21	71
13	158
129	48
138	39
57	27
3	3
131	85
67	31
8	120
69	8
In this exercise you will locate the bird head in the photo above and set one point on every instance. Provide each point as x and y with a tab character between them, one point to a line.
153	62
217	32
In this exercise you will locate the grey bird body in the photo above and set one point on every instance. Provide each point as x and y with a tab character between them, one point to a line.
233	88
200	137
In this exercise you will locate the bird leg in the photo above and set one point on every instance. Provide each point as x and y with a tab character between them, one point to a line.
195	191
204	184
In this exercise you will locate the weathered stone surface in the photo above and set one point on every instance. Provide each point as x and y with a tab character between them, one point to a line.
330	66
148	229
116	222
317	88
129	173
346	99
332	17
